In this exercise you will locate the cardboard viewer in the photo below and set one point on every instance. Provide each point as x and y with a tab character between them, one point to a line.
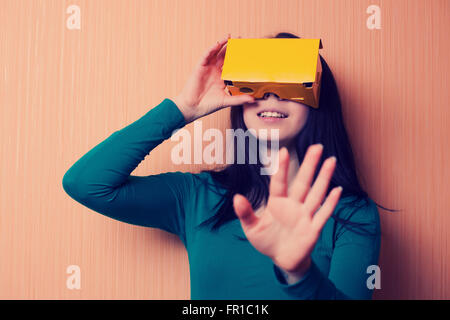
287	67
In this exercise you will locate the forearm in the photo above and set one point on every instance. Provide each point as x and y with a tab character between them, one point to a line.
110	163
101	179
313	285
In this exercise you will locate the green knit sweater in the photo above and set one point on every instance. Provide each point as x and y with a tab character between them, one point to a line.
221	266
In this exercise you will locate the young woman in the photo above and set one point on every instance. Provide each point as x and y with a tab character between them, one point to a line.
271	236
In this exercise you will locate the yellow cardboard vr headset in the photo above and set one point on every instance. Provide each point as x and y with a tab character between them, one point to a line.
287	67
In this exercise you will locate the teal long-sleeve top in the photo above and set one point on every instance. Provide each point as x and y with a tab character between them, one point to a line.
221	266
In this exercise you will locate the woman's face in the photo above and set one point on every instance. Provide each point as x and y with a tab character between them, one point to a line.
290	118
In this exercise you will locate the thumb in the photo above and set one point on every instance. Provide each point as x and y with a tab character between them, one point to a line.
238	100
244	210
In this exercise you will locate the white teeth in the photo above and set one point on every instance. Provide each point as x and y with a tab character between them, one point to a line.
272	114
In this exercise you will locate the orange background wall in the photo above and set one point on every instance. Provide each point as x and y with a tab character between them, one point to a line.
63	91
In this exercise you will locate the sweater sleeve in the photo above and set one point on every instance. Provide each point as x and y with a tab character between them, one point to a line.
101	180
353	253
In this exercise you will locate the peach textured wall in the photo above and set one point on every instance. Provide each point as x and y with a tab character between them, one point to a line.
63	91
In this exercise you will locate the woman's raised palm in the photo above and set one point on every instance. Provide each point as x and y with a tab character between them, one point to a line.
290	224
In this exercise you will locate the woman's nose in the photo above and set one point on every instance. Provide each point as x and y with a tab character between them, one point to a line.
268	94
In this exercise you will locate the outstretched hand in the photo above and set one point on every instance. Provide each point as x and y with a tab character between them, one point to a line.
288	228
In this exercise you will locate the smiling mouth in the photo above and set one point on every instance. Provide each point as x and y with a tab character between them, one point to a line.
271	114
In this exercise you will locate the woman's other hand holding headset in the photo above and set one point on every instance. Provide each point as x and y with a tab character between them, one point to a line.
204	92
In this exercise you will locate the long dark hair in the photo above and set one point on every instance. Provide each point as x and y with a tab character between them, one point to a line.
324	125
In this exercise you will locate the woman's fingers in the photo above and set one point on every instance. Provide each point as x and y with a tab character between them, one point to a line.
326	210
278	181
318	190
305	175
220	57
236	100
244	211
212	51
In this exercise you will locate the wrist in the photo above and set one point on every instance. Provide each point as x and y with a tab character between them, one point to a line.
184	109
296	275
